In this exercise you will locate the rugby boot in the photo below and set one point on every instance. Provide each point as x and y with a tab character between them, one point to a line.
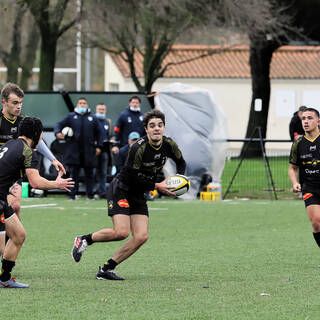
80	245
107	275
12	283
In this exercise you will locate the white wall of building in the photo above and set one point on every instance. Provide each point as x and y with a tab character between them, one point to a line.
234	97
113	79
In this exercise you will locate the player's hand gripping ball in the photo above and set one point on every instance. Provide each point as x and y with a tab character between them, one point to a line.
180	183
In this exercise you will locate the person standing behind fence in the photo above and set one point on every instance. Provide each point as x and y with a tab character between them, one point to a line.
82	150
305	162
295	126
131	119
104	156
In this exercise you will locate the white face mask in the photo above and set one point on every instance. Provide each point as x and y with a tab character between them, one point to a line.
80	110
135	109
100	115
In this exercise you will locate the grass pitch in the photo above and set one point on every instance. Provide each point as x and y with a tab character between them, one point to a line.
226	260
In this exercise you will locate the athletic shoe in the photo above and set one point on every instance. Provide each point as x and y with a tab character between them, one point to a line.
107	275
80	245
12	283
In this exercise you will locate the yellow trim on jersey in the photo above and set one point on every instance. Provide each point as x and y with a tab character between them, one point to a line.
11	121
154	147
311	162
314	138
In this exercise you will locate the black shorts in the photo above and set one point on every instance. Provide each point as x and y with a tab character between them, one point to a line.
6	212
121	201
312	197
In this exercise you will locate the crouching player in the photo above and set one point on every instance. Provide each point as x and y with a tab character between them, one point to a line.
16	158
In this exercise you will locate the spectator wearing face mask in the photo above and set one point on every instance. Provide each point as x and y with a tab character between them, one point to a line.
83	147
130	120
104	157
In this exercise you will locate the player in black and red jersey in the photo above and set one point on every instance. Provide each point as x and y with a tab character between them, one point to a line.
10	117
305	166
126	202
17	158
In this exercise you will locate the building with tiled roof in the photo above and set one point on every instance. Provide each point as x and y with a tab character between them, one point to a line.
294	73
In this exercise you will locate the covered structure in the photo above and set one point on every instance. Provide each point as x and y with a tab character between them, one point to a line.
199	127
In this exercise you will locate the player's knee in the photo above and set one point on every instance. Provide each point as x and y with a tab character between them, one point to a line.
122	234
20	238
141	238
316	225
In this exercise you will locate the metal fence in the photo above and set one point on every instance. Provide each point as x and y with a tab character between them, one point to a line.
258	177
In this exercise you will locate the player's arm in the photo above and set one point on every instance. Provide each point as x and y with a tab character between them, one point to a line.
293	176
38	182
177	157
45	151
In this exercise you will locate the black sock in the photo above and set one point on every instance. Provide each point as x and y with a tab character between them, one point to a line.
7	267
317	238
88	238
110	265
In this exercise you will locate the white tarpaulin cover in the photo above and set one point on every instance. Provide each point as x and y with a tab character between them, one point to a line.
199	127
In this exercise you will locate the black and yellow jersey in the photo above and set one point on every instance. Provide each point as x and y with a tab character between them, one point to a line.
305	154
15	157
144	162
8	128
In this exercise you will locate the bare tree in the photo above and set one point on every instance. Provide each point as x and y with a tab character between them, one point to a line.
17	41
287	23
28	59
49	16
148	28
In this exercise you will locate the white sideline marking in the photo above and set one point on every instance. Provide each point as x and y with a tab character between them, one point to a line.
39	205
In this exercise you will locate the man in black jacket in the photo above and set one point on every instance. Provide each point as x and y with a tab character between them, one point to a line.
83	147
295	127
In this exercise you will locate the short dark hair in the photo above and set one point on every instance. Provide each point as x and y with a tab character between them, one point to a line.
313	110
302	108
31	128
155	113
82	98
11	88
135	97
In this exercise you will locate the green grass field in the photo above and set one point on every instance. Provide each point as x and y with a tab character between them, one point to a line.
204	260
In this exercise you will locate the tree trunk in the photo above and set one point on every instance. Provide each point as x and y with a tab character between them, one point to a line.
13	61
47	62
260	60
30	56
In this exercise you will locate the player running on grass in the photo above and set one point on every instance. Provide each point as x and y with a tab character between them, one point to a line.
305	163
126	203
17	158
10	117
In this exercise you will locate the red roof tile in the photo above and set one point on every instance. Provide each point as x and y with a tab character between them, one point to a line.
288	62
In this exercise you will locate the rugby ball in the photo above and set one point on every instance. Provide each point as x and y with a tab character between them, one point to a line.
180	183
67	132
